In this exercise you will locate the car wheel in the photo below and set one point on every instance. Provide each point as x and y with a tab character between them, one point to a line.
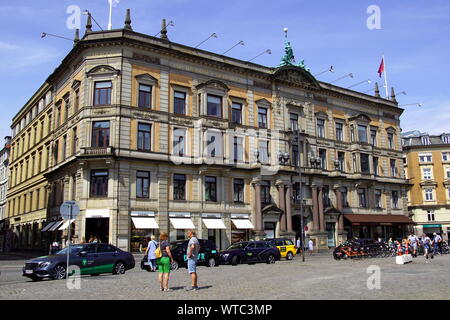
234	261
289	256
59	272
174	265
211	262
119	268
270	259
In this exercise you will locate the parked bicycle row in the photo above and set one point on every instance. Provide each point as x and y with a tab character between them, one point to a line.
368	248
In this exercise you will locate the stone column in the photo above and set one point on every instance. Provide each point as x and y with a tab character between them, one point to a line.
258	222
288	208
315	208
340	207
282	206
321	215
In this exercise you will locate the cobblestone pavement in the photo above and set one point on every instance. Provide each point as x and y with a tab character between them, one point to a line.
320	277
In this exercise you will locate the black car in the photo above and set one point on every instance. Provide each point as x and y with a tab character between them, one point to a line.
250	252
208	254
91	258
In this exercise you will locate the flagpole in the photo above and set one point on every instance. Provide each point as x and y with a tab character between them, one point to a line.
385	77
110	14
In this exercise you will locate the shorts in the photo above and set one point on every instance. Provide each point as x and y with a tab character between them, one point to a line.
192	265
163	265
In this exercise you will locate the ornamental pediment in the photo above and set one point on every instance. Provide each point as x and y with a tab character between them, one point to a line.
214	84
147	78
360	117
296	75
263	102
102	70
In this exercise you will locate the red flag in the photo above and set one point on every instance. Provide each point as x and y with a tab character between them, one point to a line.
381	68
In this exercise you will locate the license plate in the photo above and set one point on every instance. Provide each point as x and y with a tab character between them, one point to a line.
29	271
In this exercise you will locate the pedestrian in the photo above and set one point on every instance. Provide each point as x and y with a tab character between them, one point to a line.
437	241
192	258
164	262
299	245
54	247
426	241
310	247
151	257
414	241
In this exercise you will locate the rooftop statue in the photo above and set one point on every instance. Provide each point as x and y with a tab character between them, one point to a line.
288	59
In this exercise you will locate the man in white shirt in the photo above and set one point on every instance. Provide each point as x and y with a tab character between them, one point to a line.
413	240
437	240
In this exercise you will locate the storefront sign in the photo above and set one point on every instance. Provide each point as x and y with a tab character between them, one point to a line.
142	213
432	225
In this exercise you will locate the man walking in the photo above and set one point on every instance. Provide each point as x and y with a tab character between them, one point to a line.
192	258
437	243
413	241
426	242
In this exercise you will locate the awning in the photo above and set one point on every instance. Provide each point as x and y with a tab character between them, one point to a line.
97	213
48	226
378	218
66	224
56	225
214	224
243	223
145	223
182	223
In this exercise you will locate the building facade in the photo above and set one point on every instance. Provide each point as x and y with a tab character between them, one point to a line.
4	173
148	135
427	165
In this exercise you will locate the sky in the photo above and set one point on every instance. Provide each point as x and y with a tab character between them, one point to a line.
413	36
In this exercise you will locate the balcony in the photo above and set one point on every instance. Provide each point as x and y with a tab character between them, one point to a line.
97	151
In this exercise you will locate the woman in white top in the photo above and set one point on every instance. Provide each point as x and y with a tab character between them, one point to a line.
310	246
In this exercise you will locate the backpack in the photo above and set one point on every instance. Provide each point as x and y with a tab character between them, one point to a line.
158	252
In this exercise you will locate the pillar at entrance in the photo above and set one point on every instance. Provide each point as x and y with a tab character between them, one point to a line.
258	221
289	208
315	208
282	206
321	214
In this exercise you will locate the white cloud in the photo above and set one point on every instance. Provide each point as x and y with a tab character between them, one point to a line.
8	46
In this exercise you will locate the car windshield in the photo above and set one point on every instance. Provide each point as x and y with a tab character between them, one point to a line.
238	246
74	249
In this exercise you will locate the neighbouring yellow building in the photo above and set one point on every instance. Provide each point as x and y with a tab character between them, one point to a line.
427	166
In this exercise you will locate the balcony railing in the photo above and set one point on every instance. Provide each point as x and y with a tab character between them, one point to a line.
97	151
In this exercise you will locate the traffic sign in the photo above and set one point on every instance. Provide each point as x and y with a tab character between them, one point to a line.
69	210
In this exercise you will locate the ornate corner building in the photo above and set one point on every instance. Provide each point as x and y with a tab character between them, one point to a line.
427	166
148	135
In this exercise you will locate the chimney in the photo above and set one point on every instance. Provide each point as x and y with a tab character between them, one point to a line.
164	30
128	21
377	90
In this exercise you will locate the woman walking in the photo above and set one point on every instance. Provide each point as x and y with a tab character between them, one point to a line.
164	262
151	258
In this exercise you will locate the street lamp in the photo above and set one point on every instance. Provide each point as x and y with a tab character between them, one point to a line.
343	77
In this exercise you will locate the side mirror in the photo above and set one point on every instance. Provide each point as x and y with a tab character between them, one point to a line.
83	253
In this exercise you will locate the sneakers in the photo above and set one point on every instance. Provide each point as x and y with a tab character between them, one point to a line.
192	289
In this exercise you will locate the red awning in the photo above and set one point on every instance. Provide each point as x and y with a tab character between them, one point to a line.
378	218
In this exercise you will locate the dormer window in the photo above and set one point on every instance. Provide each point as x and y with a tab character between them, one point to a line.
425	140
214	106
445	138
